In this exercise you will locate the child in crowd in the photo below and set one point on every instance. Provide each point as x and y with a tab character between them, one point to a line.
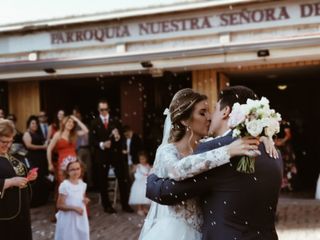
72	219
138	189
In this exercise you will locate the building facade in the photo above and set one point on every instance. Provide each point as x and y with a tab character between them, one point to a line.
137	59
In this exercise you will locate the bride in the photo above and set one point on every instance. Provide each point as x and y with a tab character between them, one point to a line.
190	119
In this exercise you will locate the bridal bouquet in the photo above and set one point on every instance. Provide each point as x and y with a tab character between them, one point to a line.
256	119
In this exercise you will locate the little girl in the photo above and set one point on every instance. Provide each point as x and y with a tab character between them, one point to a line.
72	219
138	189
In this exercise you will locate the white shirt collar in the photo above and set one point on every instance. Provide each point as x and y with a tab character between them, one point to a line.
224	134
211	138
106	117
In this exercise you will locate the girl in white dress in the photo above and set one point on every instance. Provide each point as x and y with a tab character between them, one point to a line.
190	117
72	219
138	189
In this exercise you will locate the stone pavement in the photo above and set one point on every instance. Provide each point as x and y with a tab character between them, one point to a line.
103	226
299	219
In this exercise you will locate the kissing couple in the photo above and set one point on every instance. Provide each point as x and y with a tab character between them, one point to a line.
195	187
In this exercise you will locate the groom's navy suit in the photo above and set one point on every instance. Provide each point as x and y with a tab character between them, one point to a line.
236	206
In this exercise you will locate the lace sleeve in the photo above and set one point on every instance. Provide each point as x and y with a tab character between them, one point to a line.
193	164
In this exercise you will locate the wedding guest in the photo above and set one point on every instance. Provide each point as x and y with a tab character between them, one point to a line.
133	145
53	128
72	218
44	127
36	146
64	142
56	124
284	143
138	188
106	140
18	149
15	189
18	137
83	151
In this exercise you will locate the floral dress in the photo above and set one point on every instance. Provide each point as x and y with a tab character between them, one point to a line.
183	221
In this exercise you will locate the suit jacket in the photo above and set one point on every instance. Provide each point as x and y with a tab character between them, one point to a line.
235	205
98	133
42	132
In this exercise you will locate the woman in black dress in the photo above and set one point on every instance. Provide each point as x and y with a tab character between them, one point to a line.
284	143
15	190
36	146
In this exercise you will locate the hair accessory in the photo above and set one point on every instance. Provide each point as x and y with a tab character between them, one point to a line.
66	161
166	111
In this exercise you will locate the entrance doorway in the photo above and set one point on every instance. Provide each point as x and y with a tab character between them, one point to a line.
294	93
136	100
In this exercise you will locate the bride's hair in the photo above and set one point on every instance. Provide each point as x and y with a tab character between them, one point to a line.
181	108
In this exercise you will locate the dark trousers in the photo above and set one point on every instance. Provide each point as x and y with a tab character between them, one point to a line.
121	172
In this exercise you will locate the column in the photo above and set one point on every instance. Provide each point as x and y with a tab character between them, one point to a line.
205	82
24	100
132	105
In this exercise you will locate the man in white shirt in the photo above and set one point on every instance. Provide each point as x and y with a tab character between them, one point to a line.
43	120
133	145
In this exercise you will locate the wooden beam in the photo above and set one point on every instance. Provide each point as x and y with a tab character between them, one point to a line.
24	100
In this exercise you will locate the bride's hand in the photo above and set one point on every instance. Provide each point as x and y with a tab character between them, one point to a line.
269	146
244	146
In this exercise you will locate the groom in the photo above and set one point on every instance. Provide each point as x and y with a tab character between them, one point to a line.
235	205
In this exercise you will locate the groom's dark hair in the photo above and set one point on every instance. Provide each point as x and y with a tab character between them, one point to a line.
231	95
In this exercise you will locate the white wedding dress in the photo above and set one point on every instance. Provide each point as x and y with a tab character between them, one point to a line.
183	221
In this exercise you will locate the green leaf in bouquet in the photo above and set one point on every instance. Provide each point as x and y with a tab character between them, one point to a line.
246	165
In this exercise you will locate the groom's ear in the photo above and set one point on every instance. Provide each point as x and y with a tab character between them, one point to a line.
226	112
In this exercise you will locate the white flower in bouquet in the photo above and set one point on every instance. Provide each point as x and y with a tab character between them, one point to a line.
264	101
255	118
237	116
236	133
272	127
254	127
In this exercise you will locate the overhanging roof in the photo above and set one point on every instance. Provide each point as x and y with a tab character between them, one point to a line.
162	55
121	14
